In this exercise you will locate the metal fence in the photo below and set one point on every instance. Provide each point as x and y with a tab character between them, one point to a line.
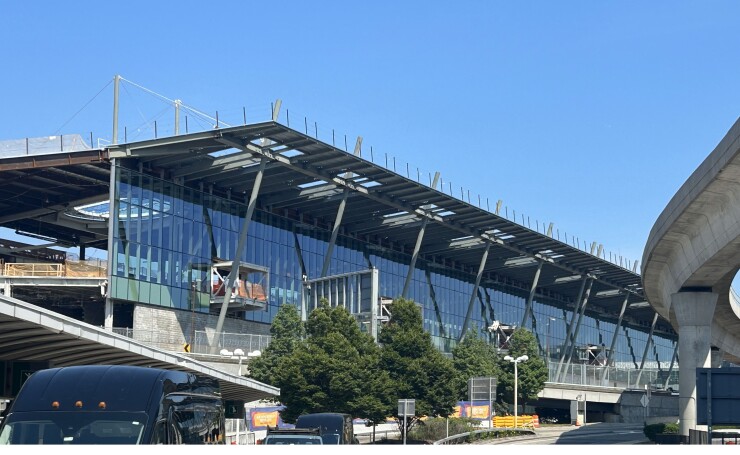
169	341
577	374
174	341
625	378
247	342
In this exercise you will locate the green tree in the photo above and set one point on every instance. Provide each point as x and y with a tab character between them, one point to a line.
419	371
532	374
336	369
287	333
473	357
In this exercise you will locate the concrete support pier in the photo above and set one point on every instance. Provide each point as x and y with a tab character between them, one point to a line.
694	312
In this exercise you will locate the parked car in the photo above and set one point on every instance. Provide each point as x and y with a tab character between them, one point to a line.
291	436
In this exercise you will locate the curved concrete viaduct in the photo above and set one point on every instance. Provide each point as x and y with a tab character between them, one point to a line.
690	260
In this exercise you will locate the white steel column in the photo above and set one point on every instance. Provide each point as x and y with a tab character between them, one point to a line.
528	308
478	277
414	256
236	260
112	233
610	354
417	247
580	319
670	368
570	327
334	232
647	348
340	214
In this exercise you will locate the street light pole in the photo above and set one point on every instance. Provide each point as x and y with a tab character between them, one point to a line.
516	361
239	353
547	349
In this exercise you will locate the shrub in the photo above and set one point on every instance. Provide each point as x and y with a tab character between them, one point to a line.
659	428
435	429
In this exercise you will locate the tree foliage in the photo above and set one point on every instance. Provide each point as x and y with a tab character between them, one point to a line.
287	333
473	357
419	371
532	374
334	370
327	364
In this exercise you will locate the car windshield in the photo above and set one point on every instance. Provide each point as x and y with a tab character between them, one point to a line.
292	440
330	438
74	428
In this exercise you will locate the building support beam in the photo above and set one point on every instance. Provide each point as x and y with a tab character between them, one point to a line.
236	260
694	312
474	294
569	329
580	320
414	257
670	368
647	349
340	214
528	308
112	249
569	338
417	247
334	232
613	344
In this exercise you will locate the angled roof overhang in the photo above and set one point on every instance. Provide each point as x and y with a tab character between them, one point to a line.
31	333
305	179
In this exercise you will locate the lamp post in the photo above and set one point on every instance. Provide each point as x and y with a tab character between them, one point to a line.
547	349
516	361
239	353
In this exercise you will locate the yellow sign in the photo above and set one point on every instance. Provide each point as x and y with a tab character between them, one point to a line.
263	419
186	347
479	412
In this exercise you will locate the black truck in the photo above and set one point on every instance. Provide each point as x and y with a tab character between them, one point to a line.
335	428
115	404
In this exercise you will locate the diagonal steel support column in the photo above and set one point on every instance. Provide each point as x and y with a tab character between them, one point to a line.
610	356
528	308
417	247
580	319
414	256
571	328
340	214
334	232
478	277
670	369
647	348
236	260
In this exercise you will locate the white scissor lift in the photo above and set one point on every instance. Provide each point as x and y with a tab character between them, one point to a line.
249	291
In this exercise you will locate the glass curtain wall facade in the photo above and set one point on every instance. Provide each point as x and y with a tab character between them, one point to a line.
167	236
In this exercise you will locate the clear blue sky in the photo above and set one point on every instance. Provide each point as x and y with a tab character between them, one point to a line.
587	114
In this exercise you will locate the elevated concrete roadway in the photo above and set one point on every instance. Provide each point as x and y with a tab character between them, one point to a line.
690	260
31	333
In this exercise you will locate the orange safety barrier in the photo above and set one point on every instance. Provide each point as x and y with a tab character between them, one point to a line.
218	288
257	292
521	421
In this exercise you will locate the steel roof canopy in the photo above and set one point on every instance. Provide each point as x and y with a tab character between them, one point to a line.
306	178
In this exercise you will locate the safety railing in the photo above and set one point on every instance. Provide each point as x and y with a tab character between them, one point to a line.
73	269
247	342
625	378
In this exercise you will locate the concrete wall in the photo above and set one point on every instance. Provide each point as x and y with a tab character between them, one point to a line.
171	328
662	407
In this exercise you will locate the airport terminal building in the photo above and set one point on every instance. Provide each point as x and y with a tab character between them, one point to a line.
207	234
